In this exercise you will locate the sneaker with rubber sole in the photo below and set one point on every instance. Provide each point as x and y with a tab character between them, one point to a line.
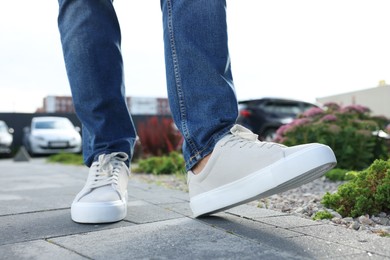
242	169
104	196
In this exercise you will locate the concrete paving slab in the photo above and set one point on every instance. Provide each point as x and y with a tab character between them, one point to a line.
249	228
39	249
182	208
262	233
143	212
35	200
37	185
32	200
287	221
38	175
252	212
352	238
148	191
39	167
283	238
40	225
321	249
363	256
173	239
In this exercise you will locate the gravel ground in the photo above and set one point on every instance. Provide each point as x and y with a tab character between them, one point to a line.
303	201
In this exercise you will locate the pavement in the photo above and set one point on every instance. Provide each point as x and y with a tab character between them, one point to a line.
35	223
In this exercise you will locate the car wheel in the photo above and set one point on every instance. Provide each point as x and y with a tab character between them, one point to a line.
29	149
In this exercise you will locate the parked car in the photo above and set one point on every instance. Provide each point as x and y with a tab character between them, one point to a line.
50	135
264	116
6	138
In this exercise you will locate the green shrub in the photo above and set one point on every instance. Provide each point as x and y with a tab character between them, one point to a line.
66	158
340	175
347	130
322	215
367	193
171	164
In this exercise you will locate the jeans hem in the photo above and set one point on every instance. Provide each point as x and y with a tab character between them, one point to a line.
206	150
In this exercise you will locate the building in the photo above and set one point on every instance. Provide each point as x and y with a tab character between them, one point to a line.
148	106
377	99
58	104
136	105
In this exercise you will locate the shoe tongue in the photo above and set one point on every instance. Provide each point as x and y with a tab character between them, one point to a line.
239	130
120	156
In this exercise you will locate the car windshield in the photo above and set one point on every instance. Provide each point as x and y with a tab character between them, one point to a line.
3	127
284	108
55	124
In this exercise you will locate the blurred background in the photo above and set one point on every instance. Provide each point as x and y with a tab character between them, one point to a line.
306	51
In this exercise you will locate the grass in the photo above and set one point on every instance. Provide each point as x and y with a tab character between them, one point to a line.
66	158
322	215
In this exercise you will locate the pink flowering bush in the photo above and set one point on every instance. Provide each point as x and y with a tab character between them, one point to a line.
347	130
312	112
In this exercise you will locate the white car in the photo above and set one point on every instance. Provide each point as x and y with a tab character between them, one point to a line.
6	138
50	135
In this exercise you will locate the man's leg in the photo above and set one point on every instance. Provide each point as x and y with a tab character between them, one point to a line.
200	85
90	37
203	103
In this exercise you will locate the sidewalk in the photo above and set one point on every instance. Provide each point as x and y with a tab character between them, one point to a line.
35	223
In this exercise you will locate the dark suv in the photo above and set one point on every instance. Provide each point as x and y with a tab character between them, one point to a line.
264	116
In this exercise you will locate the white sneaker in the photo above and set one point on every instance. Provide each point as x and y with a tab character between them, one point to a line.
242	169
104	197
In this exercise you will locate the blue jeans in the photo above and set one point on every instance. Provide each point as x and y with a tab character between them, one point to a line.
199	80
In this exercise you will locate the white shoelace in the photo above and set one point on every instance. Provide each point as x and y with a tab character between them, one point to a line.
244	137
108	169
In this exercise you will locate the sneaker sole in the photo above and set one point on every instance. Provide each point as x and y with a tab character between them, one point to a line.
290	172
99	212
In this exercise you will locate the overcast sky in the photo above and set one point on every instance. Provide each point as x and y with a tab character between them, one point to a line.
301	49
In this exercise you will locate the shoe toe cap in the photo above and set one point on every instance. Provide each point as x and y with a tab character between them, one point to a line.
307	148
102	194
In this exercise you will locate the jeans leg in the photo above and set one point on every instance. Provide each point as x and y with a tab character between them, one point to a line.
90	37
199	79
